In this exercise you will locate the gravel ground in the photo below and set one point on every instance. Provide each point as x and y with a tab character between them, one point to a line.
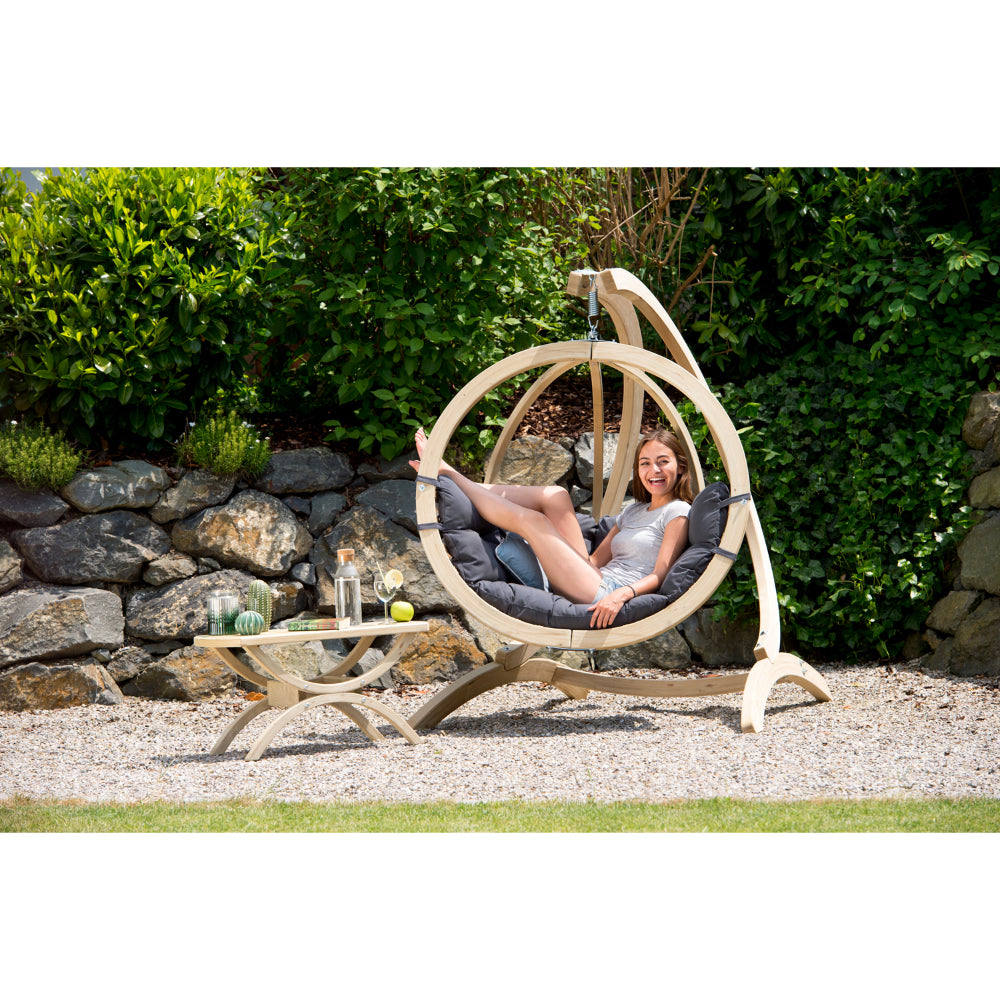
891	731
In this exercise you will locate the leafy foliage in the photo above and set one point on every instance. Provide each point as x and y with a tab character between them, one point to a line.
36	457
127	296
226	445
897	261
858	474
399	285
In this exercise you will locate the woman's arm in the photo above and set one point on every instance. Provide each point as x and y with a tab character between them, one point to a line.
601	556
675	540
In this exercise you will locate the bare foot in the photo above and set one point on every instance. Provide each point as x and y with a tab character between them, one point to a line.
420	440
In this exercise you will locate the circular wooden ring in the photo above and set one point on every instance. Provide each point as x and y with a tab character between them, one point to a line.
634	363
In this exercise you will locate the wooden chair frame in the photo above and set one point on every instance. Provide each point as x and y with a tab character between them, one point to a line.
619	293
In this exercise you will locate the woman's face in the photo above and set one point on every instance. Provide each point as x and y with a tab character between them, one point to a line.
658	469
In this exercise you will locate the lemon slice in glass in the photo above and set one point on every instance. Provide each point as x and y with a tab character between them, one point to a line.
393	578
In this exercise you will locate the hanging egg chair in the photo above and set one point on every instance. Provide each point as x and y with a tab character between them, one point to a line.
722	517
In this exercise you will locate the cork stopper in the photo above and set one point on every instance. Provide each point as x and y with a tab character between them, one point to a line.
345	555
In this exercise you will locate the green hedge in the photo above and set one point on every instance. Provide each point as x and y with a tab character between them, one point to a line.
858	474
129	296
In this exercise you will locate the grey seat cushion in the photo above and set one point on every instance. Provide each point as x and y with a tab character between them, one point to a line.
471	542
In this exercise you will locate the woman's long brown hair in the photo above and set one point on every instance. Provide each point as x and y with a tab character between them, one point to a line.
682	488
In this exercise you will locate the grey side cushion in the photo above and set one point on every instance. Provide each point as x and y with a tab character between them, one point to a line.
476	560
470	541
706	522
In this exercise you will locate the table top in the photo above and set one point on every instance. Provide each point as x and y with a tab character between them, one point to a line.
275	636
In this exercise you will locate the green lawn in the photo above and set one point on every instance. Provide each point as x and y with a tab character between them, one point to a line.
22	815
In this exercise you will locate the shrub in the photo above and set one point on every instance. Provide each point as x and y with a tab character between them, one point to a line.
36	457
858	474
128	296
226	445
399	285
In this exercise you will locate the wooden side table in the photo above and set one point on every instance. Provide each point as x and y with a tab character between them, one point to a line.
293	695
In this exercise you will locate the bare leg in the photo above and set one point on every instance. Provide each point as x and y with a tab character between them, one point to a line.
543	515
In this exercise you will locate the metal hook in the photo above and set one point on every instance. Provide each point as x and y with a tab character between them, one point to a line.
594	308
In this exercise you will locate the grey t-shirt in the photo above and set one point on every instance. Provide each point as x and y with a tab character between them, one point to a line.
635	548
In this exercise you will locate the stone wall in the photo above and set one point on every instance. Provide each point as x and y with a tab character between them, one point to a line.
963	628
103	587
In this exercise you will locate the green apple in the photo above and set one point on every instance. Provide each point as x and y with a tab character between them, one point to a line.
401	611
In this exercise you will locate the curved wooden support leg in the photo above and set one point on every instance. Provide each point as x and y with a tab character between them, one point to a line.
784	668
575	683
247	715
571	690
470	686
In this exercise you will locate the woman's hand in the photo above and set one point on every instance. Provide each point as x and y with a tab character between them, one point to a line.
607	608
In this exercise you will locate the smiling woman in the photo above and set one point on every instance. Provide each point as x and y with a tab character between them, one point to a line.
637	553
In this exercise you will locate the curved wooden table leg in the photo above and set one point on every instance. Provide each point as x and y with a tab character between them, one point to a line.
341	700
247	715
784	668
360	720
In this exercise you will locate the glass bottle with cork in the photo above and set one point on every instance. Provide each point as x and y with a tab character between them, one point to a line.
347	587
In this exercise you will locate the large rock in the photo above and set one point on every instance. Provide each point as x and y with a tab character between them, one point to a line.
10	568
948	613
976	649
377	540
535	461
396	498
112	547
29	509
984	490
585	457
717	643
46	686
982	420
396	468
170	568
979	552
253	531
323	511
305	470
196	490
288	597
666	651
132	484
128	662
444	651
41	623
178	610
189	674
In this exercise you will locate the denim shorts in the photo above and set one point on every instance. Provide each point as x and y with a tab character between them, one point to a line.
606	587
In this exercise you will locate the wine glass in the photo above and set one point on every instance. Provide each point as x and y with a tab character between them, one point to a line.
385	591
